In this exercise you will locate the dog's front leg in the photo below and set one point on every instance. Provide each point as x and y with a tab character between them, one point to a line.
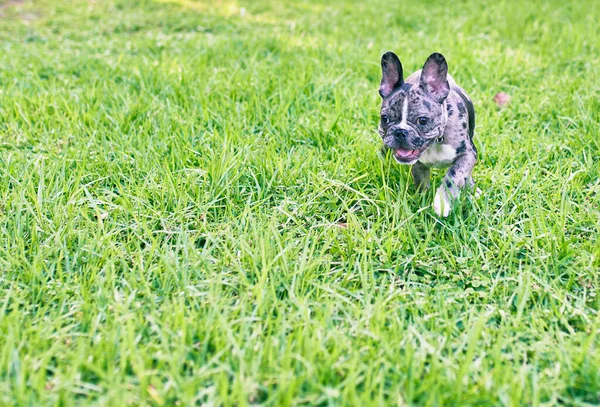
421	175
458	175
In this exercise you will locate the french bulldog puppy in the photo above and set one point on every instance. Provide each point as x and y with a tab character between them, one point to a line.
428	121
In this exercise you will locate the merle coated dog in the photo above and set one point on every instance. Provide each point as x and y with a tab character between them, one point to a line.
428	121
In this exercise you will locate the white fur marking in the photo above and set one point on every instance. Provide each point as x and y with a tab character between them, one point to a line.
404	112
441	204
438	155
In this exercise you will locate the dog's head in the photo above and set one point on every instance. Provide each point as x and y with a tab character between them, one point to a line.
412	116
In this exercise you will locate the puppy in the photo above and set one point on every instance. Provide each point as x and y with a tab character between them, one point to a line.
428	121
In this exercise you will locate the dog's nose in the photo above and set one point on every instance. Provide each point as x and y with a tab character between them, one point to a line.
401	132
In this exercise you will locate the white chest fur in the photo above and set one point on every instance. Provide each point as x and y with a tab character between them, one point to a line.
438	155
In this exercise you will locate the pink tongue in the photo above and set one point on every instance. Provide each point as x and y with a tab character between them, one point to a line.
405	153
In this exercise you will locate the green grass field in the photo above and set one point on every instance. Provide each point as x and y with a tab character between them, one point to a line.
193	208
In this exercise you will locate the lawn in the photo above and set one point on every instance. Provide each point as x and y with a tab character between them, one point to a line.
194	209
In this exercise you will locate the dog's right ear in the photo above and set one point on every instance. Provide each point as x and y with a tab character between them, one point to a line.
391	74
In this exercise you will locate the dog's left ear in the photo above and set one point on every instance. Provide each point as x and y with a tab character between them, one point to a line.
434	77
391	74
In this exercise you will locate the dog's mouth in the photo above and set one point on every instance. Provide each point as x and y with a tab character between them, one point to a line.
406	156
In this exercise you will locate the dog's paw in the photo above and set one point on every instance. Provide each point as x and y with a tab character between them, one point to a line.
441	203
478	193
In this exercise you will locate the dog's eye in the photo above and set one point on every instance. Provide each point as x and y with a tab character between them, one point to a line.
422	121
385	119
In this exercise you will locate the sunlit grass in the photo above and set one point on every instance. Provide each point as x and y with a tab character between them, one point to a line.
194	209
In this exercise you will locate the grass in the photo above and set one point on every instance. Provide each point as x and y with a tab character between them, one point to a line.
193	209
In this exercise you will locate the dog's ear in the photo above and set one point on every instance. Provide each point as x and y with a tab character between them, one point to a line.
434	77
391	74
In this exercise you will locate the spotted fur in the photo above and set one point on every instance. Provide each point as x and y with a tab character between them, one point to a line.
445	140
